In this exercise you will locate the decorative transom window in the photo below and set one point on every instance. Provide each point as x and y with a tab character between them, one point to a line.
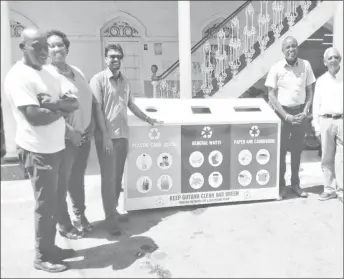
120	28
227	29
16	28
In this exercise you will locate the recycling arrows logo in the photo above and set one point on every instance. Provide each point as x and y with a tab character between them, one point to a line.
154	134
254	131
207	132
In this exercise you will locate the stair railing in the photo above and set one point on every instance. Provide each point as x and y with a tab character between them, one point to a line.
229	47
166	85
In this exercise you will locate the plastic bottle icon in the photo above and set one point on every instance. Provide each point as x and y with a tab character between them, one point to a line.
144	162
165	184
216	178
145	184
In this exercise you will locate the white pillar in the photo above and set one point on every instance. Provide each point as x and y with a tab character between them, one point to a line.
338	29
6	63
184	35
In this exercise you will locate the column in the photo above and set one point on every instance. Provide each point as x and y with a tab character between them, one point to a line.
6	63
184	35
338	29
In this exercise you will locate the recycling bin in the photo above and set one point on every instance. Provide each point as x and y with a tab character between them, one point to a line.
206	151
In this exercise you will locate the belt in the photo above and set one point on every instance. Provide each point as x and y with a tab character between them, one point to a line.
294	108
334	116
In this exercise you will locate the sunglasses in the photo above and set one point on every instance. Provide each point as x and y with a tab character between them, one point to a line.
113	57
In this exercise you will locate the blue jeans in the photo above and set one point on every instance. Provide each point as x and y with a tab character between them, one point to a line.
72	180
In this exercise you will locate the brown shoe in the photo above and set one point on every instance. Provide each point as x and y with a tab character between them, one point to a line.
298	191
49	266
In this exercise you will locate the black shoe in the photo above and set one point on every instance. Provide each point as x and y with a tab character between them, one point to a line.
62	254
298	191
282	193
49	266
327	196
113	227
122	217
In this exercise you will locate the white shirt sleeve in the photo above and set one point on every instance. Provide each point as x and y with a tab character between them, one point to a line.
21	92
316	104
310	78
271	79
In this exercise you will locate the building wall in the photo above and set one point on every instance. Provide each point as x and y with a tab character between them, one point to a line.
82	22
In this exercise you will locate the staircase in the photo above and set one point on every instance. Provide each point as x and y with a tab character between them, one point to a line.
234	58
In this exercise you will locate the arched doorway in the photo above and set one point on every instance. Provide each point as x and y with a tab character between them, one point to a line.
18	23
125	32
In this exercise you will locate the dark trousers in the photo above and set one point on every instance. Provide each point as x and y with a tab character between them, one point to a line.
292	139
43	172
72	180
111	170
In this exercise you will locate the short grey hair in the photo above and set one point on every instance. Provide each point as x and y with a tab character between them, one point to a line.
327	51
288	38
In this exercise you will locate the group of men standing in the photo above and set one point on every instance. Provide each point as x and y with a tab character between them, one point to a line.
52	106
290	84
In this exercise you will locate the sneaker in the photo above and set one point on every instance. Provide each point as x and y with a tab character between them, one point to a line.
83	224
71	233
298	191
327	196
49	266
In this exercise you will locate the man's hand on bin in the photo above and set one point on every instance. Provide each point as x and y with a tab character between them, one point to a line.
153	121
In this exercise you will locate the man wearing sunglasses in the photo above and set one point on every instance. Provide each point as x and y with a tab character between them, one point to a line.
113	96
40	137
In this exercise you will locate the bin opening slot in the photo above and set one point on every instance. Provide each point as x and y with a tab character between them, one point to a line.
246	109
151	109
200	110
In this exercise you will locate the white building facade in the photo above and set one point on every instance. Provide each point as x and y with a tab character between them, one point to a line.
151	32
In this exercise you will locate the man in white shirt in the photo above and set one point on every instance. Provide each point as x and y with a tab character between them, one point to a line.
328	124
290	93
39	107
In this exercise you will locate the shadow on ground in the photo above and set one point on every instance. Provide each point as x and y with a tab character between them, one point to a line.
316	189
138	223
120	255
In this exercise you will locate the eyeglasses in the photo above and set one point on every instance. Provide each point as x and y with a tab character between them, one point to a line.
113	57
